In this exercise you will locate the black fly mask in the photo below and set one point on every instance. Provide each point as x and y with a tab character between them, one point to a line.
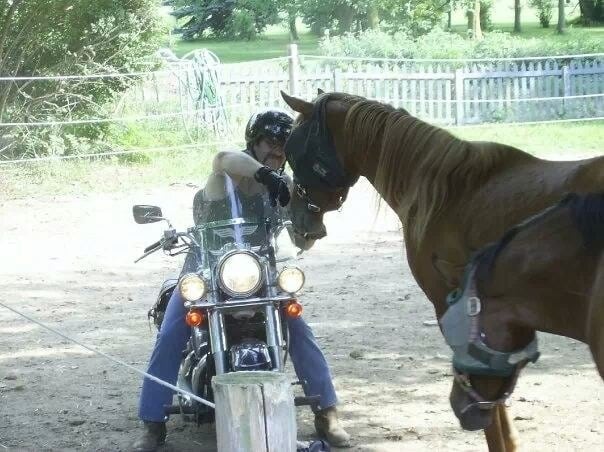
312	155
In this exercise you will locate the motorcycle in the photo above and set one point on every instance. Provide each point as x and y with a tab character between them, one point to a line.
238	284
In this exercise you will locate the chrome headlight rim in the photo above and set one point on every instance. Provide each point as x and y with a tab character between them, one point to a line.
220	267
193	277
281	273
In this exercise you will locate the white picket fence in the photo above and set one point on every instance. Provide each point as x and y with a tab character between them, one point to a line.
442	92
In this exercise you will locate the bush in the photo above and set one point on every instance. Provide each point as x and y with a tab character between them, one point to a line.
545	10
241	25
85	37
439	44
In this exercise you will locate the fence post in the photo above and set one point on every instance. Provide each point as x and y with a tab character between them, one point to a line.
294	69
254	411
337	80
459	105
566	86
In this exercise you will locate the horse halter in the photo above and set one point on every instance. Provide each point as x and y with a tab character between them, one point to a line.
471	356
312	206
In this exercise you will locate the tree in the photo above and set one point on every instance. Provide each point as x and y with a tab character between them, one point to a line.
224	18
592	11
84	36
561	17
344	16
545	10
476	28
517	10
484	11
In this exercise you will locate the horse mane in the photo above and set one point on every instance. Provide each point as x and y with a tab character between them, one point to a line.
421	167
586	212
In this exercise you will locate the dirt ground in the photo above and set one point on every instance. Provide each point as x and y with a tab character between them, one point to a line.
68	261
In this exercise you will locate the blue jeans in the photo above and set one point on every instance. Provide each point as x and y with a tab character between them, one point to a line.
309	363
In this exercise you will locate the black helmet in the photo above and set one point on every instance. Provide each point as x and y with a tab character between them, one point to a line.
271	123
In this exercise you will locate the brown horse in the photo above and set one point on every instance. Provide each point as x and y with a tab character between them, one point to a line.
452	196
545	274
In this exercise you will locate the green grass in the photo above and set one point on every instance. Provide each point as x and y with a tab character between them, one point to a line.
271	44
556	141
535	30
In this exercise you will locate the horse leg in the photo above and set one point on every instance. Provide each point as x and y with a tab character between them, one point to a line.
494	434
510	434
501	435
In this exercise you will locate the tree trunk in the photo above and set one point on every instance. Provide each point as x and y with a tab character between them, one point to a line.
517	9
588	11
345	18
449	18
561	19
293	31
476	28
373	18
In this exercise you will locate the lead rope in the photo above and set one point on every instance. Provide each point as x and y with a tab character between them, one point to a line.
115	360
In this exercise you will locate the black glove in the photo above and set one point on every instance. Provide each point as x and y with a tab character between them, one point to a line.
276	185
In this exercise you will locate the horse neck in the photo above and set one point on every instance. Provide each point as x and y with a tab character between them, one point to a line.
511	320
411	163
363	154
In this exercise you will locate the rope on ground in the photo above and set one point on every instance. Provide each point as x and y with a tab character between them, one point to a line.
110	358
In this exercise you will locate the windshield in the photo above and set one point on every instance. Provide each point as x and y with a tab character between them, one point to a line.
233	211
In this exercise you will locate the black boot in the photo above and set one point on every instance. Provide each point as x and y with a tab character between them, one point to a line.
152	438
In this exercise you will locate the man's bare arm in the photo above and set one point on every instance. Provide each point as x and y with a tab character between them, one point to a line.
235	164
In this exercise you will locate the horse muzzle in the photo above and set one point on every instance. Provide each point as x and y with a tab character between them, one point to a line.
472	415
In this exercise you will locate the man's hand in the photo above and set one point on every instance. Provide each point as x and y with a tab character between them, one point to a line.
276	185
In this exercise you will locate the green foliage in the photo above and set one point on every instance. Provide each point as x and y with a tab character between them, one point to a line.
414	17
441	44
344	16
83	37
545	10
241	25
239	19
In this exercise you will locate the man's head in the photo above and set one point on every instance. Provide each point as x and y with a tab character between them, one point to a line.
265	136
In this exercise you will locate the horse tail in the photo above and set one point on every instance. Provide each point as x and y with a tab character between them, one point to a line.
595	319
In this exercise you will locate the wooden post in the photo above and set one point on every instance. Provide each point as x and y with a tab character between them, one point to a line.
459	97
294	69
566	88
254	412
337	80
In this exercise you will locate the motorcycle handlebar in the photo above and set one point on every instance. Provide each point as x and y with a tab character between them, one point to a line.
152	246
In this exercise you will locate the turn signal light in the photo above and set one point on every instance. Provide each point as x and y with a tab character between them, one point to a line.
194	318
294	310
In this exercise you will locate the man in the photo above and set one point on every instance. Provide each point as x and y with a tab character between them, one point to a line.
265	136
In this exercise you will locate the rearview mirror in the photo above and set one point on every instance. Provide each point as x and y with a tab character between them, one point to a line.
146	214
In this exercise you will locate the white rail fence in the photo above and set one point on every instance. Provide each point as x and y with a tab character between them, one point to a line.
442	92
208	100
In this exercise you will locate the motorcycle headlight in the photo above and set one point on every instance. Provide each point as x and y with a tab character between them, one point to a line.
239	274
192	287
291	279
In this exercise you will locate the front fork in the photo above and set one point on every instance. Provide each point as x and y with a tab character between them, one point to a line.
274	338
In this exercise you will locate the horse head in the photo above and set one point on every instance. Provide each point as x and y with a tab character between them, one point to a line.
315	150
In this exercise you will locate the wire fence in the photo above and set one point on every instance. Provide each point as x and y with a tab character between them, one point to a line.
202	101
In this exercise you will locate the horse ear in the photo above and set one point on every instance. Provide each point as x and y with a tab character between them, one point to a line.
299	105
320	91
